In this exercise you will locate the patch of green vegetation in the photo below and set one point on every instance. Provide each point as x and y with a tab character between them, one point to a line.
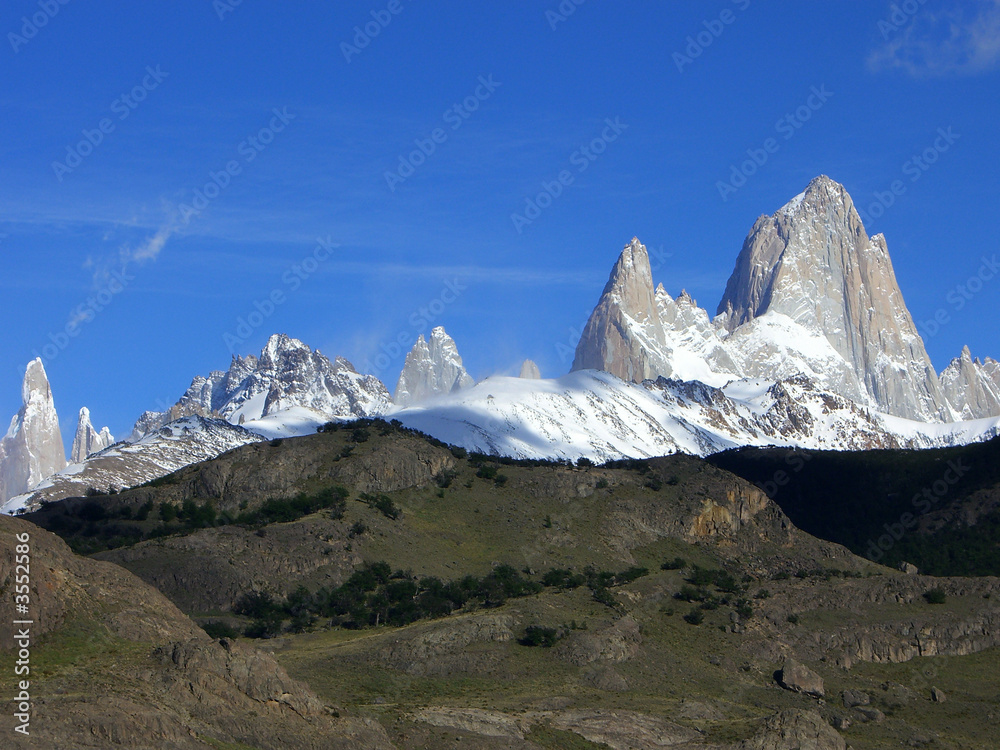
91	526
856	497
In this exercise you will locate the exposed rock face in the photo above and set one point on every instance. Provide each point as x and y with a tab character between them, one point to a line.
185	441
287	374
32	449
795	730
800	679
624	335
431	368
87	440
169	684
972	387
813	262
811	294
530	370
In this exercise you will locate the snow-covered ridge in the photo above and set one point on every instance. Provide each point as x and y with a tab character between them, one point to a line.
596	415
172	447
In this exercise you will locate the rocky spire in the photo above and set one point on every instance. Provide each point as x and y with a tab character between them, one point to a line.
33	449
813	262
87	440
624	335
972	387
530	370
431	368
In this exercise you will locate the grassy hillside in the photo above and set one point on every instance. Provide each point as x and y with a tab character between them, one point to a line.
544	605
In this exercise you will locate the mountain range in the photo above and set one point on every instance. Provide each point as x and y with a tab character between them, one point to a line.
811	345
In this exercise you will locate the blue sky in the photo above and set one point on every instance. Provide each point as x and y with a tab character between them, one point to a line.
169	166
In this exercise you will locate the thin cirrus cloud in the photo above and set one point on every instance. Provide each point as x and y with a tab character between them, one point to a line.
957	39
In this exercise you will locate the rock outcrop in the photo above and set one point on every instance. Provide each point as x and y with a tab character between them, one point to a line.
795	730
530	370
624	335
811	295
813	262
800	679
165	682
432	367
287	374
971	386
32	449
87	440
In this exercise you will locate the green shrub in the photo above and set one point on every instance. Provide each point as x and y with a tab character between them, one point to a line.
536	635
694	617
935	596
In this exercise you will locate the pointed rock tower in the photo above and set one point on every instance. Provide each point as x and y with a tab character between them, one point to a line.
624	335
530	370
431	368
972	387
87	440
813	262
33	449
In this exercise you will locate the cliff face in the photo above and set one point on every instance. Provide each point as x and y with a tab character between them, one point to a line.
432	367
813	262
33	449
811	294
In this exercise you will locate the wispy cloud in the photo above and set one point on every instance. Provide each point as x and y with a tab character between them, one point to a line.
958	39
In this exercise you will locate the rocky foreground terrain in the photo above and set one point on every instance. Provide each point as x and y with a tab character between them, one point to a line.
718	625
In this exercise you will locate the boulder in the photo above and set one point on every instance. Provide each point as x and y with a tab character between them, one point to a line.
800	679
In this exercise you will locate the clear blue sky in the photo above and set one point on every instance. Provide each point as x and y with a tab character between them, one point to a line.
320	171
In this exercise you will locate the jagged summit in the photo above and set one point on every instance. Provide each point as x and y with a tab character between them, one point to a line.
431	368
811	293
32	449
288	373
624	335
813	262
87	440
971	386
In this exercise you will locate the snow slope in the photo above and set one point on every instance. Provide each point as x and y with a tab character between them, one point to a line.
174	446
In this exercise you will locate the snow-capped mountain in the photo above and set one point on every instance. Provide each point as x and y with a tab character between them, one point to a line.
287	374
33	448
811	294
171	447
596	415
971	386
431	368
813	262
88	440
